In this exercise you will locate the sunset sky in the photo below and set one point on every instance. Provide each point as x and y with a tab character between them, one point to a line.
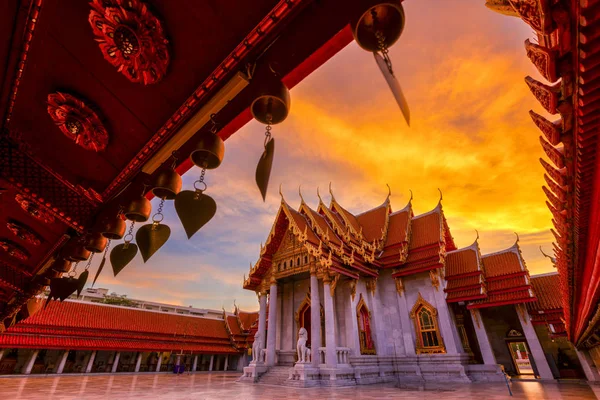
462	68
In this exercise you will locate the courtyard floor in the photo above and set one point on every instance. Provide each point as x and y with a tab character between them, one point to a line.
224	386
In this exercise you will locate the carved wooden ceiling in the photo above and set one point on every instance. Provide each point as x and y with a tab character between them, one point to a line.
85	102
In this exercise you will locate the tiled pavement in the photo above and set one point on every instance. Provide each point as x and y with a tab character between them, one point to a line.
224	386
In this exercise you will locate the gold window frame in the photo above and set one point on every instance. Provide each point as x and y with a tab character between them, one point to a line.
421	348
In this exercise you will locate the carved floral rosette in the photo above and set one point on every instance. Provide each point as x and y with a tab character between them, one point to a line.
34	210
131	38
13	249
23	232
77	121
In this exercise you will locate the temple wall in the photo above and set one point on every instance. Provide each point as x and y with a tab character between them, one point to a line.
340	303
387	316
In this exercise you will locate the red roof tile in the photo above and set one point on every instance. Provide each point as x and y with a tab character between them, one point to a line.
502	263
398	228
462	262
248	319
425	230
547	290
90	325
373	221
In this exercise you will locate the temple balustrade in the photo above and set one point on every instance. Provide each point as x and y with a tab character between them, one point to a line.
342	353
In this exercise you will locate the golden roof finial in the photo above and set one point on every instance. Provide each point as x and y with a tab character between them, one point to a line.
441	196
389	191
281	193
319	195
411	196
331	193
477	238
300	193
517	235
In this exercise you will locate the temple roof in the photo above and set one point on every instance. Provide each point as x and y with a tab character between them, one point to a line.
362	243
464	274
84	325
507	279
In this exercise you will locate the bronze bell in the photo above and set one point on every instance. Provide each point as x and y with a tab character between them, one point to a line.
272	102
386	17
209	152
113	228
61	265
95	242
167	184
139	210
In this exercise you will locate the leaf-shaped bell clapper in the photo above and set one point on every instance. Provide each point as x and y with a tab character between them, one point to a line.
95	242
381	23
270	106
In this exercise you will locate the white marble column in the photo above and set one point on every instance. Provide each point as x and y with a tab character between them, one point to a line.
272	331
116	362
330	344
315	318
353	341
1	354
446	323
138	362
212	359
90	363
533	342
262	318
587	364
178	360
226	363
195	364
159	362
405	321
377	333
482	338
62	362
29	364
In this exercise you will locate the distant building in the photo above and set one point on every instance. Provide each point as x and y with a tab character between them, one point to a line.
86	335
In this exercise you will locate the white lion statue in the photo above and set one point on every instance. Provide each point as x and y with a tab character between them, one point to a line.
257	347
301	349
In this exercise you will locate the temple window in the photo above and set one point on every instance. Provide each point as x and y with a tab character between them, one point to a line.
298	262
427	330
305	259
363	315
284	264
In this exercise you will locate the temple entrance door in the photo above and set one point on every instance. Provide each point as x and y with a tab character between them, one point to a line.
305	321
520	355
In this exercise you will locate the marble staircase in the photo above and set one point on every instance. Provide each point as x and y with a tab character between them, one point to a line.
277	375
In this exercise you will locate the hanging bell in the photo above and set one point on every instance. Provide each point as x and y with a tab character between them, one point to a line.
381	18
61	265
272	102
167	184
74	250
209	151
96	242
139	210
113	228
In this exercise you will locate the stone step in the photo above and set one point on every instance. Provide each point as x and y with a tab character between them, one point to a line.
275	376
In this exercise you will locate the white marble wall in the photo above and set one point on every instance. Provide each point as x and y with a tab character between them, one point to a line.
421	283
386	315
